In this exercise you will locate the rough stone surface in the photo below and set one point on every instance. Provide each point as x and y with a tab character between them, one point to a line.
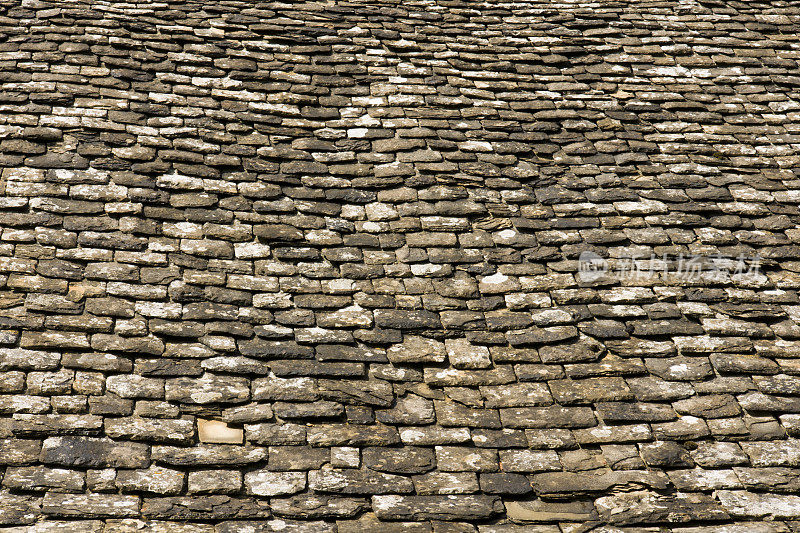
402	266
462	507
90	505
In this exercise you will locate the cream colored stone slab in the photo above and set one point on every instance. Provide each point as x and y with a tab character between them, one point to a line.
214	431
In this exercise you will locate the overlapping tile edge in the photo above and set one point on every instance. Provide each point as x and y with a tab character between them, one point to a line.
317	266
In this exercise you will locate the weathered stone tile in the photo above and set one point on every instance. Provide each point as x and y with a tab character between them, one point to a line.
202	455
214	482
275	434
650	507
19	509
19	451
156	479
464	507
716	454
369	521
743	504
133	386
405	460
635	412
612	434
529	461
773	453
90	505
547	417
680	368
41	478
590	390
353	392
308	507
665	454
180	431
20	403
498	375
94	452
778	479
464	355
463	459
542	511
453	414
216	507
55	424
131	525
433	436
358	481
266	483
17	358
208	389
446	483
349	435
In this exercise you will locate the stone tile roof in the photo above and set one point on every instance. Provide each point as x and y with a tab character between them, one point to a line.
420	266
